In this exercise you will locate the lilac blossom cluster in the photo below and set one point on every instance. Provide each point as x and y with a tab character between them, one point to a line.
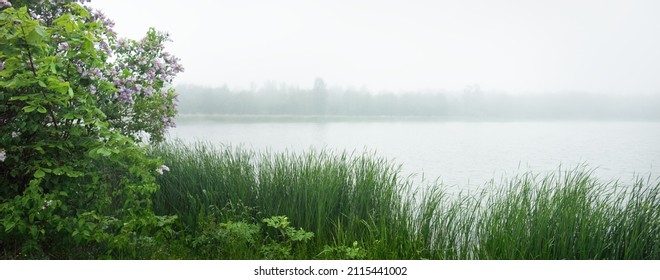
107	23
93	73
168	121
64	46
5	4
66	1
147	65
139	70
108	26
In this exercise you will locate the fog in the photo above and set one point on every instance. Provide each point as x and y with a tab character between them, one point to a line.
507	46
472	103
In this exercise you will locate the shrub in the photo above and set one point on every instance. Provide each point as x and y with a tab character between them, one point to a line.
75	102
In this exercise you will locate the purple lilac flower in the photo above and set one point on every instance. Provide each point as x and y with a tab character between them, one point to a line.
157	64
178	67
107	23
113	71
106	47
151	76
168	122
64	46
3	155
167	57
4	4
122	44
95	73
124	95
92	89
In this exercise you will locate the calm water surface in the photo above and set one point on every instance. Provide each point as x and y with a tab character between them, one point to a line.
459	154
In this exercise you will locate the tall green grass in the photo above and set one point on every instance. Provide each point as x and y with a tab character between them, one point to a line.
570	215
361	199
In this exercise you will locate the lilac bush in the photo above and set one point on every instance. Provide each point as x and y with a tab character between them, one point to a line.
141	74
76	101
133	82
142	104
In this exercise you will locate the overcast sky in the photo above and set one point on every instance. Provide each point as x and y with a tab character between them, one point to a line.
507	45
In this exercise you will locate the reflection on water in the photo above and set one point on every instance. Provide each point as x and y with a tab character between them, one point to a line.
457	153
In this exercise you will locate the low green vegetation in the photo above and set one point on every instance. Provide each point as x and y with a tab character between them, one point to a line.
216	202
233	203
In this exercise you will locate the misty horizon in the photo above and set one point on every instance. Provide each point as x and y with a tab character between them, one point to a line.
322	99
261	85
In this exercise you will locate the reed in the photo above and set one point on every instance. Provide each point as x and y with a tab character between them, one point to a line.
570	215
361	200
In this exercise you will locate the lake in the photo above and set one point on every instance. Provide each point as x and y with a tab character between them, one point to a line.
459	154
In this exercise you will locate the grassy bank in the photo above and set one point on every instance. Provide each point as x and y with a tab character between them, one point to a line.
241	204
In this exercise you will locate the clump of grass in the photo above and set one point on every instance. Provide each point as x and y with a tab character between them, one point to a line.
203	178
340	197
570	215
360	202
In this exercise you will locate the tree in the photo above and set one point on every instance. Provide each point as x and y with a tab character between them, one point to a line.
320	96
75	102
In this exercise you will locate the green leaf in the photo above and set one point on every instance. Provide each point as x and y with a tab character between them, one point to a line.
9	225
41	31
20	97
104	151
74	174
53	68
41	109
70	92
81	11
29	109
57	85
36	36
39	174
42	84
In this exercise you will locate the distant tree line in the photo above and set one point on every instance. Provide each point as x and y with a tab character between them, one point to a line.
472	103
